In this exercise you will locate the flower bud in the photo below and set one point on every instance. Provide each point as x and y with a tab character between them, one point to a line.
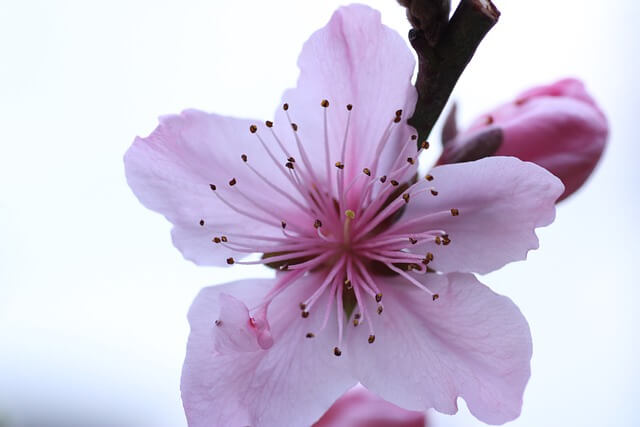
559	127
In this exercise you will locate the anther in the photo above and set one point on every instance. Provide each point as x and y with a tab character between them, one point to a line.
244	157
378	297
349	107
294	126
230	260
285	106
428	177
224	239
435	297
424	145
253	128
406	196
317	223
337	351
305	314
218	322
414	137
445	239
357	316
289	165
283	224
455	212
429	256
291	159
438	240
366	171
216	240
233	182
356	322
212	187
410	160
380	309
434	192
398	113
413	241
324	103
489	119
309	335
339	165
269	123
201	223
371	339
349	214
383	178
396	119
394	182
303	306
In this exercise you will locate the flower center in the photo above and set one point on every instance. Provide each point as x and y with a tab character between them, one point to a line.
343	226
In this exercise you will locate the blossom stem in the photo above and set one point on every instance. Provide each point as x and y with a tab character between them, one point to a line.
442	62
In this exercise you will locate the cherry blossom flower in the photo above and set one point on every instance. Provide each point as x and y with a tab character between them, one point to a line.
360	408
373	264
558	126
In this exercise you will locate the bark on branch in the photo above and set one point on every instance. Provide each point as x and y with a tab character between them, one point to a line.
443	52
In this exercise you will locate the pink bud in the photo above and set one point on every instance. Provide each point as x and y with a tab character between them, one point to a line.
559	127
359	407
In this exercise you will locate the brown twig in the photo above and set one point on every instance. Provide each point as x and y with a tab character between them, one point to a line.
444	56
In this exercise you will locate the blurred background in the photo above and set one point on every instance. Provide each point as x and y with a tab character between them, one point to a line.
93	296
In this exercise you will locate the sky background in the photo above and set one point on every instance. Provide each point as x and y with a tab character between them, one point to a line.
93	296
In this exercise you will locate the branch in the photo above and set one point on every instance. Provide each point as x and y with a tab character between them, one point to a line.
443	59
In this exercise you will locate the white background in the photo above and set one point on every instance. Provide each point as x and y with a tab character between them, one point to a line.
93	296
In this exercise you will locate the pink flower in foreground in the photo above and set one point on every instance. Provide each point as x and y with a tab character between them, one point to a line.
361	408
559	127
373	281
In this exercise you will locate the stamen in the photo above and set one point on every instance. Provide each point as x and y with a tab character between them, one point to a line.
327	153
275	187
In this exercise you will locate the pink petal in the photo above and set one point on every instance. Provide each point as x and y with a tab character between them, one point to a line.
470	343
361	408
237	331
291	384
354	60
170	172
500	201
